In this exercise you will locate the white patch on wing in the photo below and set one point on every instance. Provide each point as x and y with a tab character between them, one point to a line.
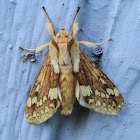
42	112
37	88
30	117
119	106
103	81
116	91
86	90
98	103
109	91
102	95
29	103
46	109
34	114
52	93
113	104
97	93
91	101
26	115
34	100
40	102
44	99
52	105
107	96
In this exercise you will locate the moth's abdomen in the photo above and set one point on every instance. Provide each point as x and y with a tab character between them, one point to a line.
67	90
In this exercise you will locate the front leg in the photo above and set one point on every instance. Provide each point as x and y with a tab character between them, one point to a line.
31	55
37	49
93	45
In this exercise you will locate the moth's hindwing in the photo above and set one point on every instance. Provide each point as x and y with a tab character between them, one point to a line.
97	92
43	100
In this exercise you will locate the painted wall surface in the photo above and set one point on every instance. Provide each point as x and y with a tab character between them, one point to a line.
23	23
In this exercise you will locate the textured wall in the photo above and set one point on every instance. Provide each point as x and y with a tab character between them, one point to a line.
23	23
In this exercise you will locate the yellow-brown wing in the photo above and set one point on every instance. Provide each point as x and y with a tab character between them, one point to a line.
43	100
97	92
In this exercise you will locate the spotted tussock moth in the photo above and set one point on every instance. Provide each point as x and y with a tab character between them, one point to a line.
68	74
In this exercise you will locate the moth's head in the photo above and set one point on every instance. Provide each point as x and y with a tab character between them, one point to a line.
63	37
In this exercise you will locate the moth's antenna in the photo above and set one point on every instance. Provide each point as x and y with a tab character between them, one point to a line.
49	25
46	14
75	24
76	14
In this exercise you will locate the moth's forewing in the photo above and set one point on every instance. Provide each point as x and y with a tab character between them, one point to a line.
43	100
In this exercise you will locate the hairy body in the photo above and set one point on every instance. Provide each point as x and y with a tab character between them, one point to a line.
63	56
67	89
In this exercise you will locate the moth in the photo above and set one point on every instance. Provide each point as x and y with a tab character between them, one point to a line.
68	74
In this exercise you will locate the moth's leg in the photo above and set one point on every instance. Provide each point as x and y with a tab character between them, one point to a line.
75	24
49	25
77	90
37	49
93	45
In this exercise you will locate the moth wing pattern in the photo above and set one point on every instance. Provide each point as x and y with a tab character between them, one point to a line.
97	92
43	100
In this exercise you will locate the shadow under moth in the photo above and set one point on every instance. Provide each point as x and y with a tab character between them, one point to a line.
68	74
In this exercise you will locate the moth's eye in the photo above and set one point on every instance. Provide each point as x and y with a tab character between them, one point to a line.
66	36
59	36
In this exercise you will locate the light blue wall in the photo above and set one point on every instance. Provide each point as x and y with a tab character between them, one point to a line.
23	23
